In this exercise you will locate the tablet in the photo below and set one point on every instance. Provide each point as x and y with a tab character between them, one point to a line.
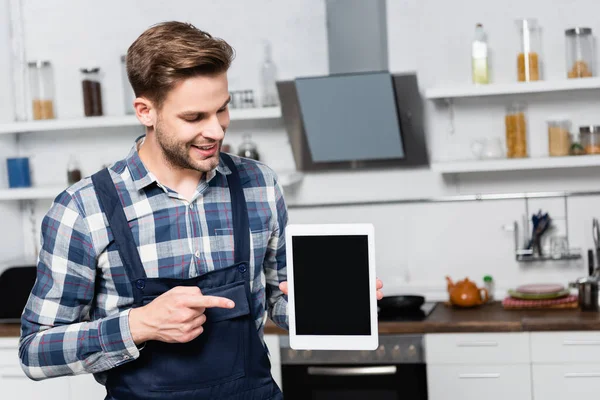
332	295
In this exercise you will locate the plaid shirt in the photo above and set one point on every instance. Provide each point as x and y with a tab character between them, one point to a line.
77	316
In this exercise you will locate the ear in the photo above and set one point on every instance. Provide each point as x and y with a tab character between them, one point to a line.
145	111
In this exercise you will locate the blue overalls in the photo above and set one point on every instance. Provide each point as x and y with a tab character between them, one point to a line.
228	360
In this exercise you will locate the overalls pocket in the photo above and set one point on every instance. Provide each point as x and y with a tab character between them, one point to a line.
215	357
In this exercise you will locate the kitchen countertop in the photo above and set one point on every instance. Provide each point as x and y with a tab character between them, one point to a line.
443	319
488	318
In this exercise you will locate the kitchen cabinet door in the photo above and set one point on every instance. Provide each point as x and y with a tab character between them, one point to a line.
85	387
15	385
565	381
272	342
477	382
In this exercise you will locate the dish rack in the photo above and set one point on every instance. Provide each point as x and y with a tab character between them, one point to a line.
528	255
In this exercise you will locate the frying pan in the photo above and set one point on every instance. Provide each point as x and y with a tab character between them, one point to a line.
400	303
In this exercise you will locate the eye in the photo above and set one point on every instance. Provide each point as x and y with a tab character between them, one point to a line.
222	109
195	119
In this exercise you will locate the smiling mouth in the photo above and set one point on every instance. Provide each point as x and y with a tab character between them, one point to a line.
210	147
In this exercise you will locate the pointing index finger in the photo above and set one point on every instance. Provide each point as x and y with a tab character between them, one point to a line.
210	302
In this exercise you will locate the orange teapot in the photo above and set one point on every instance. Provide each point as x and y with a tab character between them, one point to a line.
466	294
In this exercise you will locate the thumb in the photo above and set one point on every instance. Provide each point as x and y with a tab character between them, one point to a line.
283	286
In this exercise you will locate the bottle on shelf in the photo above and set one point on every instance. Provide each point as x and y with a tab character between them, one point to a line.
268	79
42	89
73	170
529	59
479	57
92	92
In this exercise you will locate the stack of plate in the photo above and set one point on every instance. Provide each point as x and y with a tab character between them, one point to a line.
539	291
542	295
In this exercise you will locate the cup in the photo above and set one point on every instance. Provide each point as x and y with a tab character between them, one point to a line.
19	175
487	149
559	246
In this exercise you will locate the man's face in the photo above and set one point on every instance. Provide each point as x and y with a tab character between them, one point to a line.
192	122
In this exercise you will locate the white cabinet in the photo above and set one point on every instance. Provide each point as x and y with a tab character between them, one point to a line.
565	347
565	381
477	348
478	365
565	364
272	342
477	382
85	387
15	385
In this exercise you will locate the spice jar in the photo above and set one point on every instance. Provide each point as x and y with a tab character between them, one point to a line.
92	91
590	139
580	52
41	82
528	60
559	137
516	131
128	94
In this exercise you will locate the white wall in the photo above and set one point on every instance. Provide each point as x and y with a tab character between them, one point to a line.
417	244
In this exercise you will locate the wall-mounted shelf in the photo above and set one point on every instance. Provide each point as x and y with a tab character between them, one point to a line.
33	193
515	164
499	89
287	179
121	121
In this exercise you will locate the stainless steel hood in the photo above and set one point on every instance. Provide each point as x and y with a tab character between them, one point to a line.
359	116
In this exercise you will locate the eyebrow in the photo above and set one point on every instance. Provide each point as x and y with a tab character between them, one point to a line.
203	114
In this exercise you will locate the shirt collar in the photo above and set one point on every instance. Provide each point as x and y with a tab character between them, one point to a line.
143	178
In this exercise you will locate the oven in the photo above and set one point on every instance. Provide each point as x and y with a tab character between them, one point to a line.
396	370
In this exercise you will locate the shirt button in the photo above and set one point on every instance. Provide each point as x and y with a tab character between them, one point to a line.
140	284
126	357
197	254
242	268
191	205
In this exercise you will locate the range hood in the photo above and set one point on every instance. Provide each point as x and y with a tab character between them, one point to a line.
359	116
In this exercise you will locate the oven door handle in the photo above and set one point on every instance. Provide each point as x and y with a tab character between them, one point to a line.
352	371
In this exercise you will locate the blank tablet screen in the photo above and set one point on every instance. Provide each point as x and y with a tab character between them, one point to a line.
331	285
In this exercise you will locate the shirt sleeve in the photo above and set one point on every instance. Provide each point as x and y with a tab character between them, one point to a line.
57	336
275	263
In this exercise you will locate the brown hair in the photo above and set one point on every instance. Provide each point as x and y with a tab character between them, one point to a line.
169	52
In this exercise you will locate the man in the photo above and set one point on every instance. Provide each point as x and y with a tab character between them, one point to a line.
155	273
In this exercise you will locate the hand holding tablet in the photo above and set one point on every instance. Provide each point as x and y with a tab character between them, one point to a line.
332	288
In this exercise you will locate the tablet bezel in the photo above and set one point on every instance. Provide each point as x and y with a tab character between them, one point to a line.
332	342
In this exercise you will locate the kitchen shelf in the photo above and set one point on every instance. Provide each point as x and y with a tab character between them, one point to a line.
50	192
456	167
499	89
40	193
120	121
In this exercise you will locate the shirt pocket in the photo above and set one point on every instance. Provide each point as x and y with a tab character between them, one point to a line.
222	248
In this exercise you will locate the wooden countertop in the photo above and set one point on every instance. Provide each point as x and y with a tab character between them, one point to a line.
488	318
443	319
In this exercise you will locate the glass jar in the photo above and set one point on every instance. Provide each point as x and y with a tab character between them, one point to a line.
590	139
128	94
41	81
559	137
516	131
248	148
580	52
528	60
92	91
73	170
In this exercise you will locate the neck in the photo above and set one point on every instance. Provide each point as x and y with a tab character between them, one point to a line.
181	180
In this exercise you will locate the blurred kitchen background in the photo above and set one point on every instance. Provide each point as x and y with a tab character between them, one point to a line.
457	213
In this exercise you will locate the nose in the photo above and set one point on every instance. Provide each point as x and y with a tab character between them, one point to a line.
213	130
